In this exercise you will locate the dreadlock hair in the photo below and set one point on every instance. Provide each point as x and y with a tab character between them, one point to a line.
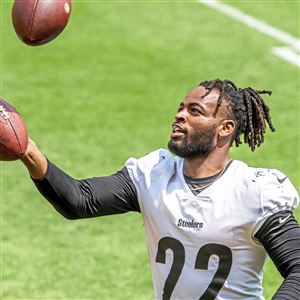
246	107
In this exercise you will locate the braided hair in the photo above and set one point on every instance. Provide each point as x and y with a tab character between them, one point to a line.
246	107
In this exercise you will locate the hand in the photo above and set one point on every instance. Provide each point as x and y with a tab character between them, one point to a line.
35	161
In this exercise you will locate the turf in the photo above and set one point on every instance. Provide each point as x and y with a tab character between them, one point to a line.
105	90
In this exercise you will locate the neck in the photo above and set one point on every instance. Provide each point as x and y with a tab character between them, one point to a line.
201	167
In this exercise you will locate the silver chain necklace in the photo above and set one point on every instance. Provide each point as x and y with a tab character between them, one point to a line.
200	188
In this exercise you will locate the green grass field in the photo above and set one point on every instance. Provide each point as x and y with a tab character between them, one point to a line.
105	90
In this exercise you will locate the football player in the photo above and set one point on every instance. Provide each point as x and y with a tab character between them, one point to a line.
210	221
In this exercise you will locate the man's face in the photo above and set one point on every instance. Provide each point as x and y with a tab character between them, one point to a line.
194	130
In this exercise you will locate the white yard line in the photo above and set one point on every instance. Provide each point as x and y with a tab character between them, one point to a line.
290	54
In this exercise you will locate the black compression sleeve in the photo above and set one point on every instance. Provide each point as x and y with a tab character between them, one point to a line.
92	197
280	235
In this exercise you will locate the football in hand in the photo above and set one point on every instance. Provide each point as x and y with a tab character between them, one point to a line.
37	22
13	133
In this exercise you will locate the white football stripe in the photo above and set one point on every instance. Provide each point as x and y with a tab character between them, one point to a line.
288	54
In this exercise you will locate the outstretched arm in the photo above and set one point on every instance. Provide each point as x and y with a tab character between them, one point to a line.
76	199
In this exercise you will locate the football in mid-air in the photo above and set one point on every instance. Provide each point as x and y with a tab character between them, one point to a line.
37	22
13	133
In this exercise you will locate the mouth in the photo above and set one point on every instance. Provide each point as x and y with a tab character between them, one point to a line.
177	131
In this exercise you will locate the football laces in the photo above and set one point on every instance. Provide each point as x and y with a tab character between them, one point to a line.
4	113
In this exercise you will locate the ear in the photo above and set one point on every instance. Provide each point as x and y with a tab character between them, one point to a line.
226	129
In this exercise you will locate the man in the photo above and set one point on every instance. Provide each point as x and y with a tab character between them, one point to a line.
209	220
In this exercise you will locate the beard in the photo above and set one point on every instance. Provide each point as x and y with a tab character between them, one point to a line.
200	144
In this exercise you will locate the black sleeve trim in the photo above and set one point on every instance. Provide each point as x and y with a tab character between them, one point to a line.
91	197
290	288
280	235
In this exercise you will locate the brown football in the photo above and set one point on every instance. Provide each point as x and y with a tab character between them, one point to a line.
37	22
13	133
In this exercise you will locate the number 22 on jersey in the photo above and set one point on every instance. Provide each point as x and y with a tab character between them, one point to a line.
201	262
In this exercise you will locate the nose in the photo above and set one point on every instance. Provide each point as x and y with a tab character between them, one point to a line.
181	116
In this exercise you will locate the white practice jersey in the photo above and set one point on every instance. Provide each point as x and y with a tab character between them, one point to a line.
203	247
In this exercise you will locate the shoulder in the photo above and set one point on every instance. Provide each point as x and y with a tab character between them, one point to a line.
276	191
267	191
159	161
266	180
272	182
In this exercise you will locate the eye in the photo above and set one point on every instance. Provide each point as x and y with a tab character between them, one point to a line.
195	111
